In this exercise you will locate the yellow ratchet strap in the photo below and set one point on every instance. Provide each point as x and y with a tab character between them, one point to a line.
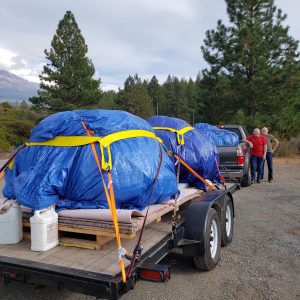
180	133
11	164
105	142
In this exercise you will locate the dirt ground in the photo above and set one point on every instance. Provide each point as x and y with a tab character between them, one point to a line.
263	261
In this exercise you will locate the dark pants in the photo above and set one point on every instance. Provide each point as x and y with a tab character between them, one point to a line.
256	166
269	159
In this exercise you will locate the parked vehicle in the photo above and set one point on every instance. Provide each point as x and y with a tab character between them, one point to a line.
235	160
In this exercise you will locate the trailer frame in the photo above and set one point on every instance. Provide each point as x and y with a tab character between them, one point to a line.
111	287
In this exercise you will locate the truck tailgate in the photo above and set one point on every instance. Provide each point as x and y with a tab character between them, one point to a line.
227	155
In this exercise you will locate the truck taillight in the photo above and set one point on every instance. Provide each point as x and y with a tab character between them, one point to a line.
239	155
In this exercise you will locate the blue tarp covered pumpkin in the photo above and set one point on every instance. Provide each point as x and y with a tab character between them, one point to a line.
195	148
221	137
68	176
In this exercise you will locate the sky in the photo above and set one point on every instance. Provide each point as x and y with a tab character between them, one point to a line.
124	37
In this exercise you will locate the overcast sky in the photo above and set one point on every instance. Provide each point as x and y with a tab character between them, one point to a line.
148	37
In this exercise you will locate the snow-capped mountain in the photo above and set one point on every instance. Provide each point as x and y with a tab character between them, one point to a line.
15	88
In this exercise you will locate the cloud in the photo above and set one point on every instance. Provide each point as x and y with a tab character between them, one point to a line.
29	74
148	37
6	58
14	63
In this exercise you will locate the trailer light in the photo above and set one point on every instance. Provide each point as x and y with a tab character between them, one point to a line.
160	273
13	276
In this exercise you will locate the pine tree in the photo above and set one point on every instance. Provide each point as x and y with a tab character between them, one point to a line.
190	92
134	98
167	107
180	101
67	79
154	92
254	65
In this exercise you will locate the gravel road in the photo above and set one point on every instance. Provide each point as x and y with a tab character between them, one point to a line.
263	261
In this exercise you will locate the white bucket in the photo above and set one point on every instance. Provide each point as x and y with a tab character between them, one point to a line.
44	229
11	230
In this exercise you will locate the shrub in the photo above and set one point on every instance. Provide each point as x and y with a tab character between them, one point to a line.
288	147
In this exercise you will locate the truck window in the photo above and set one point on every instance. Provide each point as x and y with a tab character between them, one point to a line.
236	131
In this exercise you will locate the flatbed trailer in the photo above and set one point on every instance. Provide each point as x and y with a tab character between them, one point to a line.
203	224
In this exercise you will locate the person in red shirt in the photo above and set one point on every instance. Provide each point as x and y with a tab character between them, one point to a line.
258	143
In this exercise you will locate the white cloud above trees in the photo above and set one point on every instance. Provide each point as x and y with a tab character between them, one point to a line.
157	37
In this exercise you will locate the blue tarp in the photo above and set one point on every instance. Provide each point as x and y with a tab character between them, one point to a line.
69	177
198	152
221	137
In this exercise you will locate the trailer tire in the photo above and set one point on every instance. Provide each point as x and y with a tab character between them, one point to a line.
212	243
227	222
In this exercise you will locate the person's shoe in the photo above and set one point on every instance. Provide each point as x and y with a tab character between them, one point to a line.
252	181
258	181
270	180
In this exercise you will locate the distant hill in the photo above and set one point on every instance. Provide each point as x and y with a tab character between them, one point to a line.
14	88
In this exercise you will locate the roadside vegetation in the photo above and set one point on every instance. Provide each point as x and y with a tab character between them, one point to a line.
16	123
252	78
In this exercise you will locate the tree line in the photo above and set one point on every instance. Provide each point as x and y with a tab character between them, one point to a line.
252	75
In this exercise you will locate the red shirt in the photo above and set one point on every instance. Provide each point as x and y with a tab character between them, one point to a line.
258	144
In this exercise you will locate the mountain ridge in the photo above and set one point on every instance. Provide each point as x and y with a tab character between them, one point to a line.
15	88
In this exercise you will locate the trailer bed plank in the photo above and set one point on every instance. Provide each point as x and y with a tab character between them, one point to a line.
104	261
153	234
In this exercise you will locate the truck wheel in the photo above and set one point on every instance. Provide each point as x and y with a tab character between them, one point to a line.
212	243
246	180
227	222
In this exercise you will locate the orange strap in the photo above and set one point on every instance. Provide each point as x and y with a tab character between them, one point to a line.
111	203
210	186
2	174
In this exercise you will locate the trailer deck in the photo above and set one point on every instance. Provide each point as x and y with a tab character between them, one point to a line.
104	261
97	272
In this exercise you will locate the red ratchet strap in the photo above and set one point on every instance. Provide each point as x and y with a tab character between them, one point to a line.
10	159
208	185
137	250
222	178
111	203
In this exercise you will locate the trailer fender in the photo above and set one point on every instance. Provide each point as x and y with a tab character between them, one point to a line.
196	219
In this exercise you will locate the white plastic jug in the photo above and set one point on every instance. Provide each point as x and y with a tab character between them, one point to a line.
11	230
44	229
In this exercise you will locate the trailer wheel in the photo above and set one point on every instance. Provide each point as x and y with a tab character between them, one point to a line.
212	243
227	222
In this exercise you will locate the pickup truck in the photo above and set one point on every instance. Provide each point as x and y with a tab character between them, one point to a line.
235	160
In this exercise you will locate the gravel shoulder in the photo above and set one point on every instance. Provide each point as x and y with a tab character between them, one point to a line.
262	262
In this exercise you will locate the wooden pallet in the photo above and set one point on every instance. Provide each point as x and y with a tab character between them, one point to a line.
81	236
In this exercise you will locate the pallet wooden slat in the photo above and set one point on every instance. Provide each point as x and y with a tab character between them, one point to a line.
101	237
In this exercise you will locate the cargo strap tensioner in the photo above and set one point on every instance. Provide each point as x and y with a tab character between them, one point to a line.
104	142
180	133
